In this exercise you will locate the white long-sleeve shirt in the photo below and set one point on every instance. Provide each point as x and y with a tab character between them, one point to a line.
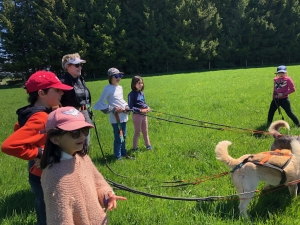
111	97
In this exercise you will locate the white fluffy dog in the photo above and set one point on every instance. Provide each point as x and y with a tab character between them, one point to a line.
246	174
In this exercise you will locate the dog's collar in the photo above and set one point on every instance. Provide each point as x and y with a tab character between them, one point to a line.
241	164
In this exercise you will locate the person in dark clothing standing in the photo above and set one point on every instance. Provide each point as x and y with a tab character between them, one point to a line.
79	97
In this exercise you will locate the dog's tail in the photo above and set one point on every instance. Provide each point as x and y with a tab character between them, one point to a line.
223	156
275	126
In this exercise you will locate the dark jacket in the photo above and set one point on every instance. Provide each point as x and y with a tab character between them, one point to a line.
79	95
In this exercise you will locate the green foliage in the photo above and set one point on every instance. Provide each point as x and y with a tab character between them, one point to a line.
147	36
238	98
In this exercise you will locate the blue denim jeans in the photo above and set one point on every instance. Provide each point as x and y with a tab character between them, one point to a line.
39	203
119	147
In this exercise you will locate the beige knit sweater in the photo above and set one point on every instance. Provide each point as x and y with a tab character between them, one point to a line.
73	190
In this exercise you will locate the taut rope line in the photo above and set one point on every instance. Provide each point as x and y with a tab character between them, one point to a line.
221	126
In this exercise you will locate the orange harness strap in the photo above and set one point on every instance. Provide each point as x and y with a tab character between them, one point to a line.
270	154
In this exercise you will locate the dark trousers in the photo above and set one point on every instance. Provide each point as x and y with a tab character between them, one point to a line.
286	105
39	204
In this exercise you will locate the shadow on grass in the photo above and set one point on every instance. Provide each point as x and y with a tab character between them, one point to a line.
263	131
102	160
20	203
270	203
226	209
110	159
266	204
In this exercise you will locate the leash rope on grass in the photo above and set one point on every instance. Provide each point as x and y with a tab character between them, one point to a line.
100	146
209	198
234	197
198	180
220	126
125	188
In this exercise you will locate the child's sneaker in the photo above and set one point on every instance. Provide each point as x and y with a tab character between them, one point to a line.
134	149
149	147
129	157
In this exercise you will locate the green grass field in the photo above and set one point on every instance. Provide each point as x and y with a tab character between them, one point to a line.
238	98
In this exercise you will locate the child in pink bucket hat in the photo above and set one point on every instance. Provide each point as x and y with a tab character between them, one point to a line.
74	190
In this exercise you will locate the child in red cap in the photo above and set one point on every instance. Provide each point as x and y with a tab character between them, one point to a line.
28	140
74	190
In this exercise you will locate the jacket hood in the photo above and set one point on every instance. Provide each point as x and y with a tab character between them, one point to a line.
25	112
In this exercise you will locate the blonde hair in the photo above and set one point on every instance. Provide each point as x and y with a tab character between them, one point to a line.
67	58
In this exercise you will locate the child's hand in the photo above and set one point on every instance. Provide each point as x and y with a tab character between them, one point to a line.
112	202
145	110
119	109
126	109
37	162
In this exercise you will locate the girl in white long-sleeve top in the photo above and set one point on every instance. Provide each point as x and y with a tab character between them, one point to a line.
112	102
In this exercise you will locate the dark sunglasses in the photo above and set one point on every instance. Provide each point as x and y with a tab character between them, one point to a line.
118	75
77	65
76	133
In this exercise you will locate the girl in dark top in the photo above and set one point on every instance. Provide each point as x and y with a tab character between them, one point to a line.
136	102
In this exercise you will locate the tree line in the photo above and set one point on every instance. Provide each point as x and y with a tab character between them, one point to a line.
148	36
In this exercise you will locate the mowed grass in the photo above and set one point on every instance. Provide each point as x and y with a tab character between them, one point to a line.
237	98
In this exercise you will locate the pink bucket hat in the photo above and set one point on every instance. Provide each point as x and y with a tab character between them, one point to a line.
66	118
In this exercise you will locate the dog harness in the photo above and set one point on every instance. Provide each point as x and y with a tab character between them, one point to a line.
268	159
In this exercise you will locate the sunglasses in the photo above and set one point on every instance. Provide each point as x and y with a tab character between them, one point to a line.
118	75
77	65
76	133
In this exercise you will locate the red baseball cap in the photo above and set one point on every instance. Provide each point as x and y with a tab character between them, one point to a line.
66	118
43	80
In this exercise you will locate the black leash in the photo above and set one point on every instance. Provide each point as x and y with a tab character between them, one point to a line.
128	189
207	199
105	159
125	188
